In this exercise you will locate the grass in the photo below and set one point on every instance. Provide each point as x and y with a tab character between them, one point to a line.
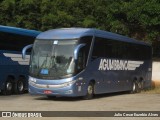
155	90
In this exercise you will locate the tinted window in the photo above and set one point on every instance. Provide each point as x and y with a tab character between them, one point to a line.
98	48
14	42
138	52
108	48
87	41
120	50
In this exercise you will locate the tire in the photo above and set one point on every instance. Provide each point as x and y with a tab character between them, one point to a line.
19	86
139	86
8	87
90	91
142	84
136	87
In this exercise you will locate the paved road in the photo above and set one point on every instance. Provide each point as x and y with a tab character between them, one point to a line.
107	102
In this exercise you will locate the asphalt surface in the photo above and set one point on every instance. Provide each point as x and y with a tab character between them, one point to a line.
106	102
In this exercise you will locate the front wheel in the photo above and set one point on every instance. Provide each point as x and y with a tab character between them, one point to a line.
90	91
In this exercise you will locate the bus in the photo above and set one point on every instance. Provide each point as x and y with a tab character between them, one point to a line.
13	69
85	61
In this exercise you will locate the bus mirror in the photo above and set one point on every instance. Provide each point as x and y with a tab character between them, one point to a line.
25	49
78	47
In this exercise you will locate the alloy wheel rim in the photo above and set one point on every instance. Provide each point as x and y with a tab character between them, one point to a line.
134	86
9	86
20	86
90	90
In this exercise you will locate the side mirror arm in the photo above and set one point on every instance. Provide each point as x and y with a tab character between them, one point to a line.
78	47
25	49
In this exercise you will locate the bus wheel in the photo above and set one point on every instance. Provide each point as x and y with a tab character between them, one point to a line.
136	87
8	88
20	86
139	86
90	91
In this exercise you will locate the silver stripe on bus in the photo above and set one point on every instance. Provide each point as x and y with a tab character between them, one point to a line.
18	58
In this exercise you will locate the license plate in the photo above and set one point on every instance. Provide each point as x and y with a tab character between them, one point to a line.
47	92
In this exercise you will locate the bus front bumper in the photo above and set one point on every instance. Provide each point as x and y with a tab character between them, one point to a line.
69	89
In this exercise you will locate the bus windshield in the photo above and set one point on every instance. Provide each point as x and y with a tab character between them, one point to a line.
52	59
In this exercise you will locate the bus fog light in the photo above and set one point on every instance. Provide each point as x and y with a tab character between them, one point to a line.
69	92
79	88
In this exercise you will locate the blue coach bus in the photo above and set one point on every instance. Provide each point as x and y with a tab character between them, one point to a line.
13	69
83	62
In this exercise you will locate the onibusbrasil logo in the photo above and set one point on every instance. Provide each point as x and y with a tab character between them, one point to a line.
21	114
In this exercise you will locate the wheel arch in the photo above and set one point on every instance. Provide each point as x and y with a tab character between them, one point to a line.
21	77
135	78
141	79
11	77
92	81
24	79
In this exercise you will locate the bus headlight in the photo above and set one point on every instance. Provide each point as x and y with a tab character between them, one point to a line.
68	83
31	79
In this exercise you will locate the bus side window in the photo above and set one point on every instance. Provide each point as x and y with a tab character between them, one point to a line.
81	60
87	41
108	50
98	48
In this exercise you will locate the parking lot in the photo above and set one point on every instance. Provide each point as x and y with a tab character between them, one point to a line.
107	102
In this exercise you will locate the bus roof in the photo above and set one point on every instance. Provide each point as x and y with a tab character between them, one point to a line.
19	31
73	33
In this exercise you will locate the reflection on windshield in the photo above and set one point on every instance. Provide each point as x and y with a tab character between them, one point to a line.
52	59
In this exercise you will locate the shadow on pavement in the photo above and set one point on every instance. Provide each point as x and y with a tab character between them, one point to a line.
71	99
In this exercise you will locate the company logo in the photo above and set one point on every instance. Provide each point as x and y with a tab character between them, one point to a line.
112	64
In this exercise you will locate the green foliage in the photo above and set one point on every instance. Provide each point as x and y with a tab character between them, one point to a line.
7	11
143	18
139	19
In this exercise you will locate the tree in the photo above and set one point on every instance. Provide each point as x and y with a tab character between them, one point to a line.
138	19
